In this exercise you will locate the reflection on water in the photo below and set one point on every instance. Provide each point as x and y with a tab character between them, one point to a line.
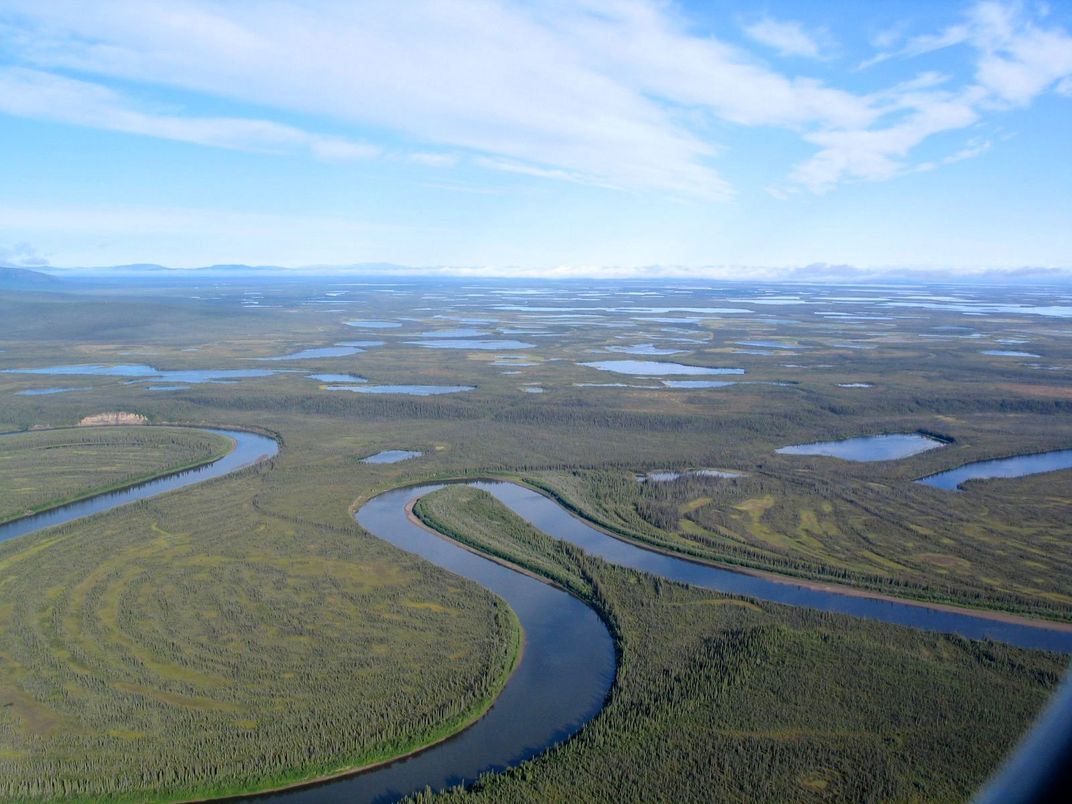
663	476
554	520
392	456
565	673
337	378
141	370
410	390
868	448
698	383
323	351
249	448
458	332
643	349
48	391
771	344
451	343
1018	466
655	368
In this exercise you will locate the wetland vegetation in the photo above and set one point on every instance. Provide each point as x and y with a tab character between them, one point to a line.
759	701
241	619
50	468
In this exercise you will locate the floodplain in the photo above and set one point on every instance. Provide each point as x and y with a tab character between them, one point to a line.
251	617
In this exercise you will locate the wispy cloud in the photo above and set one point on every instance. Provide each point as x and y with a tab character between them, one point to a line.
788	38
1015	60
621	94
43	95
21	255
439	160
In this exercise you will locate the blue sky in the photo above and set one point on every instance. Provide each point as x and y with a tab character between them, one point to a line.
545	136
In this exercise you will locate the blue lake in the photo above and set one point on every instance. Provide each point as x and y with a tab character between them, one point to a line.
451	343
1017	466
392	456
48	391
662	476
148	372
656	368
457	332
312	354
644	349
410	390
868	448
770	344
698	384
337	378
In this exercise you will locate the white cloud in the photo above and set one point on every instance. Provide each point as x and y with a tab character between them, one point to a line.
42	95
21	255
1015	61
612	93
510	166
880	153
439	160
786	37
481	75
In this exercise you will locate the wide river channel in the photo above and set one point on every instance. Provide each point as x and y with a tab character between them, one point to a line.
567	666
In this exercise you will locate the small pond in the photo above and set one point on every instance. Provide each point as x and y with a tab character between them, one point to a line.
1018	466
457	332
140	370
392	456
770	344
698	384
662	476
868	448
656	368
312	354
643	349
410	390
47	391
337	378
462	343
374	324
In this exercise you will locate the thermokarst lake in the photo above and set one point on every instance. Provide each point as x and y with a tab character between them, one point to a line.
888	447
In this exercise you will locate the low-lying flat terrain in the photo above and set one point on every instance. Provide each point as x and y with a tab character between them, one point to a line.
44	469
193	645
251	625
759	701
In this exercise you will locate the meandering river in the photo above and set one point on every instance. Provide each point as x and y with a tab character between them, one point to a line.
249	448
567	666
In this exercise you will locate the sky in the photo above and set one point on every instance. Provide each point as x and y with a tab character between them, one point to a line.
571	138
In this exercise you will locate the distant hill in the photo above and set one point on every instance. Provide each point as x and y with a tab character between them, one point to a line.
24	278
238	268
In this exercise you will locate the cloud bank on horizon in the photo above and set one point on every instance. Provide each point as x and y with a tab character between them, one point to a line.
492	131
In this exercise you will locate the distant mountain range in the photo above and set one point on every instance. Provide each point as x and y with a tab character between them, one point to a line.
24	278
816	273
148	268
